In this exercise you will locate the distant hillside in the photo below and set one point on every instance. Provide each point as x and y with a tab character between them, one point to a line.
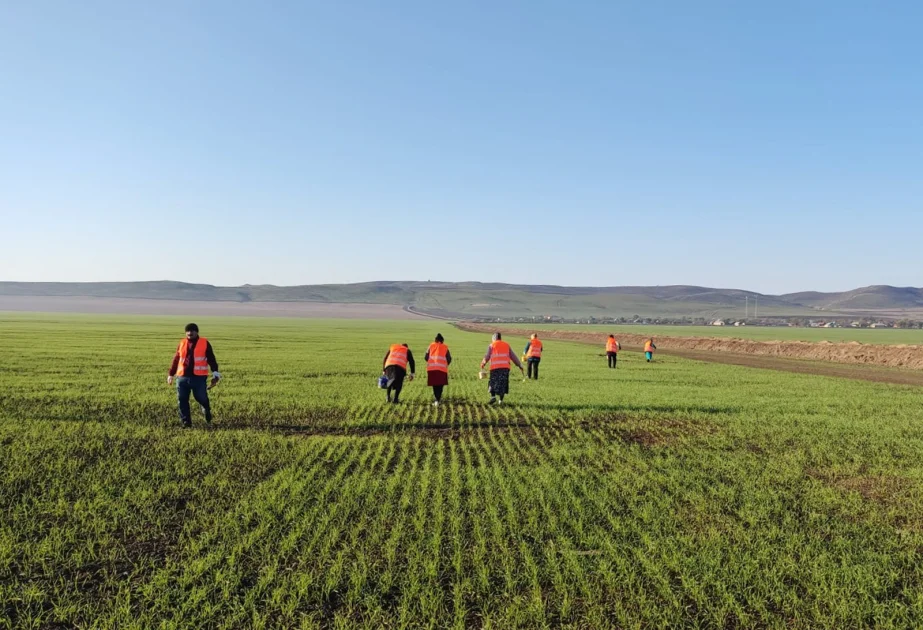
477	299
878	297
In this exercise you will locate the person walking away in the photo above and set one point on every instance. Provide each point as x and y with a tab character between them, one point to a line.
394	366
612	350
438	358
189	369
649	348
533	354
499	354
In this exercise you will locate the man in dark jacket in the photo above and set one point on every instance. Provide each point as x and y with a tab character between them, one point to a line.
189	369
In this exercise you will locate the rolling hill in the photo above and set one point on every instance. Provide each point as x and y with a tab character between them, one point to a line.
878	297
477	299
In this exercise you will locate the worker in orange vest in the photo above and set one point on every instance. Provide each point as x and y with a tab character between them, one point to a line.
189	369
394	366
438	358
499	354
649	348
612	350
533	353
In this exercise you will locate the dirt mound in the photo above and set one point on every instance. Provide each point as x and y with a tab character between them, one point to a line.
852	353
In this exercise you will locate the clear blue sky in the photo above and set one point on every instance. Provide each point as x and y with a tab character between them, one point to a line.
773	146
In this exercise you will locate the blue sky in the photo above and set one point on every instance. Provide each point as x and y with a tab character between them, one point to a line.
773	146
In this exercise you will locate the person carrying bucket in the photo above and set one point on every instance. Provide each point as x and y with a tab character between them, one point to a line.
612	350
498	357
438	358
394	366
533	354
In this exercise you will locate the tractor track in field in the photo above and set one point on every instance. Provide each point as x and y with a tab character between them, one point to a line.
864	371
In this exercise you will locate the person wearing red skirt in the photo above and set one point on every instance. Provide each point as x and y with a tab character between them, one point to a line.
437	360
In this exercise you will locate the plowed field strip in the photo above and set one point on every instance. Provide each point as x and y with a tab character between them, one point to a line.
859	372
800	366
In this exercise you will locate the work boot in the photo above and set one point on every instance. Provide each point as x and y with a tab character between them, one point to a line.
492	401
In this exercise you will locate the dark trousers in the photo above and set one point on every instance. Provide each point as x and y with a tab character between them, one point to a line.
198	387
395	376
613	358
532	368
437	392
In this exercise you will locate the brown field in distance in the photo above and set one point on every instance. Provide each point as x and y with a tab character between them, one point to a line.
49	304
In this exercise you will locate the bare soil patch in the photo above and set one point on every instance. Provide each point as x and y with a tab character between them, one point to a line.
883	489
869	362
648	432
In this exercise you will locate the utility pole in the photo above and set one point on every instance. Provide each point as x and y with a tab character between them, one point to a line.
746	306
756	306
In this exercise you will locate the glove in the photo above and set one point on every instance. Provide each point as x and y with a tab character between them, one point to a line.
216	375
410	378
169	380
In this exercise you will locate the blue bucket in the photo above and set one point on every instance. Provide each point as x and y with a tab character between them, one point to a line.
382	382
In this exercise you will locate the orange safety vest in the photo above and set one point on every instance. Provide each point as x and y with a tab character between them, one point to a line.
437	361
612	345
535	349
648	346
199	362
499	355
397	356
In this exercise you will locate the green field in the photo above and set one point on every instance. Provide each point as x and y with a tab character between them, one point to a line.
669	494
758	333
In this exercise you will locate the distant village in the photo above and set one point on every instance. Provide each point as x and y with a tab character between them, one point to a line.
802	322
